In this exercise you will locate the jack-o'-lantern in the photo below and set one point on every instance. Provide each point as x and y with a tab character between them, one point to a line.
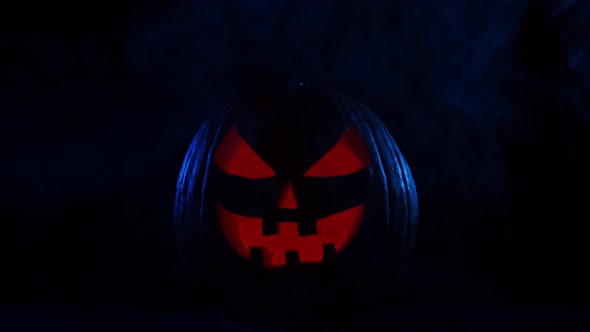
293	191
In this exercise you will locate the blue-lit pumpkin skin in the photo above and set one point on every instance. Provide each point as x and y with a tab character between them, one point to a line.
292	191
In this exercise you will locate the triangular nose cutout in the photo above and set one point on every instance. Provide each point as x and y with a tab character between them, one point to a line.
287	197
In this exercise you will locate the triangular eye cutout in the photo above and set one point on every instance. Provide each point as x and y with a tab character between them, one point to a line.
349	155
234	156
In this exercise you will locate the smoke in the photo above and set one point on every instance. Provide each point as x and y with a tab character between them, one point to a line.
117	104
432	70
575	38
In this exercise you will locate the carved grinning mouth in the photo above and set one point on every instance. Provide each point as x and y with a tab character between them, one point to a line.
245	233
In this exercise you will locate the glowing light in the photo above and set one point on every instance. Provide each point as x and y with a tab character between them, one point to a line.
349	155
244	233
236	157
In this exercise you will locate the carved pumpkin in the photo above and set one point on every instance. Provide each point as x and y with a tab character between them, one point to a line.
292	185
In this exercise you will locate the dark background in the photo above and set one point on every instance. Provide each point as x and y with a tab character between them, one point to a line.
488	100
